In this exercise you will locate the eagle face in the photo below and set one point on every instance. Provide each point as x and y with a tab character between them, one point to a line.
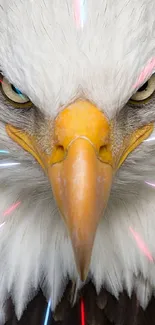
77	120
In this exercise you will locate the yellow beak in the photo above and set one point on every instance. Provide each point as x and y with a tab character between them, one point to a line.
80	168
81	181
81	185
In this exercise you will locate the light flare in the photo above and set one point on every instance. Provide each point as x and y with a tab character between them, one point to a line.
48	313
80	12
142	246
2	224
11	209
83	318
146	72
9	164
8	211
150	139
4	151
151	184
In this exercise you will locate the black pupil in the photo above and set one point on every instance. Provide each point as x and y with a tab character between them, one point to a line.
144	87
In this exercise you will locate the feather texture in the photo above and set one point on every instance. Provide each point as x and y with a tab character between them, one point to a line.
96	62
110	311
47	58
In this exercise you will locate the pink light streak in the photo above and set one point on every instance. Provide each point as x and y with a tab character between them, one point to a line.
11	209
77	13
80	12
151	184
141	245
8	211
145	73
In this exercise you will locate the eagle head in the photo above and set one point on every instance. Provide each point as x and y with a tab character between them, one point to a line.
77	119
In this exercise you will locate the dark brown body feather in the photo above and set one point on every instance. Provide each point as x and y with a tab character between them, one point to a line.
99	310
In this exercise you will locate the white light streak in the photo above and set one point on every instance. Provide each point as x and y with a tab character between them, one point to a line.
150	139
2	224
9	164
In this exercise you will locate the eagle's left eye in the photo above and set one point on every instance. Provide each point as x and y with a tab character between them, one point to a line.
13	94
145	92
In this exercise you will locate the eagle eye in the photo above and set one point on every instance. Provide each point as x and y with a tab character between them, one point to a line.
145	92
13	94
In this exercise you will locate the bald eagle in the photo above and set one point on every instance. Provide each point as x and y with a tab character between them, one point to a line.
77	166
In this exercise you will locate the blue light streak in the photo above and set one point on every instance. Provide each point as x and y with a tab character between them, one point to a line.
4	151
48	311
83	12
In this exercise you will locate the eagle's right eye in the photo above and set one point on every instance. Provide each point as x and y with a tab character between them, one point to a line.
13	94
145	92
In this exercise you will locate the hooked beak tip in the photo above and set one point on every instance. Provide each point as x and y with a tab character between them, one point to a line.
82	259
83	273
83	270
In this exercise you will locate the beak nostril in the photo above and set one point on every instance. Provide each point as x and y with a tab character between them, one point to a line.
58	154
105	153
60	148
102	150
